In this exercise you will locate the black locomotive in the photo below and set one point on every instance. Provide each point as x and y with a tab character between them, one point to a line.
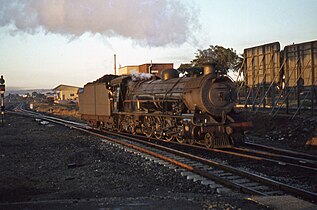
189	109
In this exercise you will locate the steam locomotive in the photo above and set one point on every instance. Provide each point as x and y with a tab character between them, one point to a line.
193	110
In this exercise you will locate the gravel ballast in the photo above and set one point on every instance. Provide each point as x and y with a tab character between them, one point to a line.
45	164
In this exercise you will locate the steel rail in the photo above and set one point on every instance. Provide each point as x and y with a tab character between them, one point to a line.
280	159
282	151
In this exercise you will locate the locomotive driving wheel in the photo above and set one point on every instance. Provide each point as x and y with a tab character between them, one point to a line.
180	139
159	128
168	137
180	135
169	126
209	140
147	126
126	124
132	128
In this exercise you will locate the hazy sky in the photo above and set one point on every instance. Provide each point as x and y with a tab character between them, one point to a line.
44	43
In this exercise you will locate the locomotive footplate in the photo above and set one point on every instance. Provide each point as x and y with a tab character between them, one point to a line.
240	126
227	128
213	129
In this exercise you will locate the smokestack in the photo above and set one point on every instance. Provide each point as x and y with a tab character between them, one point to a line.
115	64
150	68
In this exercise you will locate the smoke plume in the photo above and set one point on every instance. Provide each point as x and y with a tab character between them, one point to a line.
149	22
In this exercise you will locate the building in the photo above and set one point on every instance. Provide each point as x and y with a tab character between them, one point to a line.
126	70
66	93
153	68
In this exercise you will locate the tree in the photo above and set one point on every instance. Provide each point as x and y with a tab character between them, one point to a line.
223	58
189	70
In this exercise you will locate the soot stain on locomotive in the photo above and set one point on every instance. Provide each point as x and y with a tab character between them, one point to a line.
190	110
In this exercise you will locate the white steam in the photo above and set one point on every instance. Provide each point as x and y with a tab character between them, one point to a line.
141	76
150	22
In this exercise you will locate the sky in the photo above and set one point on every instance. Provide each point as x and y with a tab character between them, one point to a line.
44	43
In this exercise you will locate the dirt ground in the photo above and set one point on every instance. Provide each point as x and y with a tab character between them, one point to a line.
282	131
53	167
70	110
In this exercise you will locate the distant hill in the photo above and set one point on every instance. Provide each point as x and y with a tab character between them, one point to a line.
13	90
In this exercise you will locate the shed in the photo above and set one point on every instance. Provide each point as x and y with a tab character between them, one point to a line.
66	92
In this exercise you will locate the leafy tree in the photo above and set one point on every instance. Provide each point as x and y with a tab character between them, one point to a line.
223	58
190	70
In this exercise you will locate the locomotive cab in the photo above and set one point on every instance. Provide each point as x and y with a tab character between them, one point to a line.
119	89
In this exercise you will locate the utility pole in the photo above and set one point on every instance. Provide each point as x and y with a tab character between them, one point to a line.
115	64
2	89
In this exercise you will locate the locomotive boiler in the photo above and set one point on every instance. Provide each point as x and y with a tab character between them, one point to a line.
188	109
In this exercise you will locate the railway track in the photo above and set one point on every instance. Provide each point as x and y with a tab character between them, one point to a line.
260	153
294	154
294	159
205	170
